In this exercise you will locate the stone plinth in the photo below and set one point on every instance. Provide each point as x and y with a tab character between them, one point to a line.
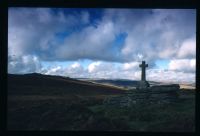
143	85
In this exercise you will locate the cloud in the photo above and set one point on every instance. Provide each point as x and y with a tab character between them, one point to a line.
56	70
108	70
89	43
34	31
96	69
156	31
44	34
102	69
158	35
85	17
131	65
184	65
92	67
23	64
75	65
170	76
74	70
188	48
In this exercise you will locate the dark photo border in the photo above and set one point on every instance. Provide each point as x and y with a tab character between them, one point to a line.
162	4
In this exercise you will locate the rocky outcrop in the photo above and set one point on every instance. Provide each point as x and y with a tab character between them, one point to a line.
155	94
165	88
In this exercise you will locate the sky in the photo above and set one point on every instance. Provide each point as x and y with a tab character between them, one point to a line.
103	43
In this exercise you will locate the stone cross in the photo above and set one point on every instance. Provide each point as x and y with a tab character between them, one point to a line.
143	66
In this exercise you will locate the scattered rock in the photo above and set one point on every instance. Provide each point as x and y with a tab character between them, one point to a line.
156	94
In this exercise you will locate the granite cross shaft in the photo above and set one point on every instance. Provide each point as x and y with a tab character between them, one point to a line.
143	66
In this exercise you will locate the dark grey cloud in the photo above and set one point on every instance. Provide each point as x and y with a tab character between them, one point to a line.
24	64
33	31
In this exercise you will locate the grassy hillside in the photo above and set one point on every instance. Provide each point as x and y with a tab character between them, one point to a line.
41	102
51	85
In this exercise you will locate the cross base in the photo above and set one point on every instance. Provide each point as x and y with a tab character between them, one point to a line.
143	85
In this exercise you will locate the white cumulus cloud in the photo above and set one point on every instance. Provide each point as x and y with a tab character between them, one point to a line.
185	65
188	48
